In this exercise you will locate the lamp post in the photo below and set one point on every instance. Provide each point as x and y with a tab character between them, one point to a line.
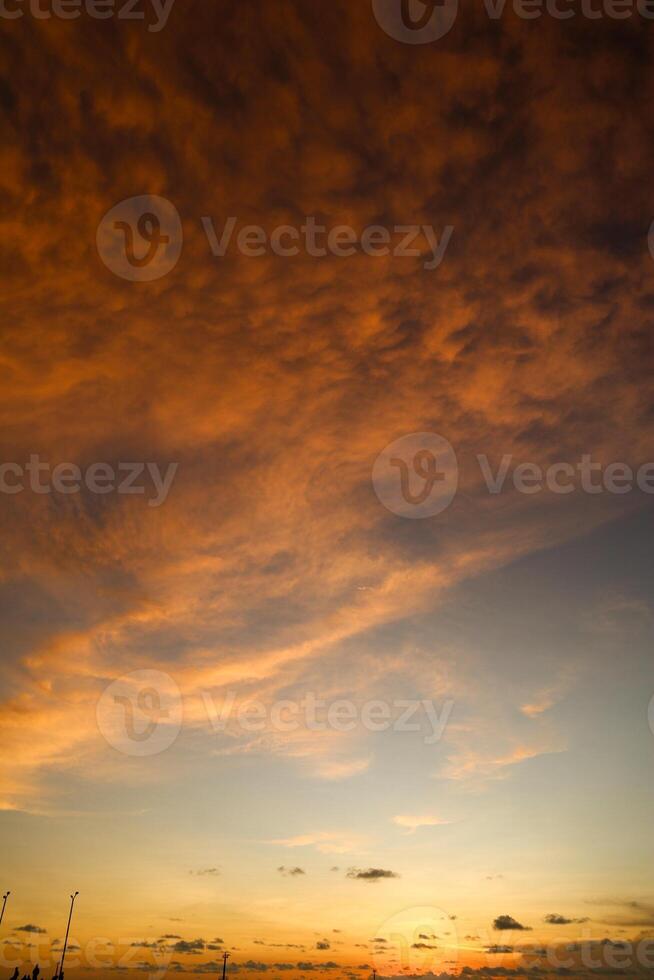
225	958
4	905
60	972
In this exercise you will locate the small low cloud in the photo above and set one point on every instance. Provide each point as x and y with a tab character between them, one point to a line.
507	922
309	966
189	946
205	873
35	930
370	874
290	872
499	949
323	944
554	919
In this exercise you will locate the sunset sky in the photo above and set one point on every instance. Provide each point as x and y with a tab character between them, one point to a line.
266	560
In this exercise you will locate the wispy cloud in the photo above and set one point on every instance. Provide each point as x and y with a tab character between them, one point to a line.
412	823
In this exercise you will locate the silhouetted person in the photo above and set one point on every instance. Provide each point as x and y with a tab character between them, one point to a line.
15	975
35	972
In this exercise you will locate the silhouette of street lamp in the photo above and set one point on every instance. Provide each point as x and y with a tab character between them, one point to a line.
225	958
4	905
60	972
